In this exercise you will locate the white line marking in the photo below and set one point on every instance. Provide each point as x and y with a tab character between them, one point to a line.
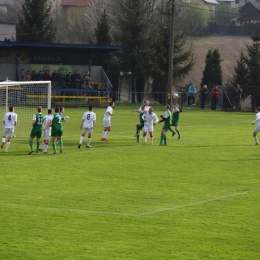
197	203
126	214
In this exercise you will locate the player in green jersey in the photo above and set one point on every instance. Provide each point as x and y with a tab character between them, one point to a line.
175	118
37	124
140	124
166	118
56	130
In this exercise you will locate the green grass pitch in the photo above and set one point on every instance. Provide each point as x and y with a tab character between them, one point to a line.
197	198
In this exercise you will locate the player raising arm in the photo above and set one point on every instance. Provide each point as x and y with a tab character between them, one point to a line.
87	126
10	122
150	120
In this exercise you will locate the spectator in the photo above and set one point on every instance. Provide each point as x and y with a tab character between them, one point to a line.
34	76
237	97
87	80
28	76
76	79
69	79
191	95
22	75
215	96
54	76
39	76
203	94
60	79
46	75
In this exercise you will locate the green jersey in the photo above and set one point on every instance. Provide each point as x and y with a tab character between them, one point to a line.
38	118
175	116
37	126
56	123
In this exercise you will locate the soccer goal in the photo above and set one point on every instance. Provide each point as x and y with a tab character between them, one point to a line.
25	97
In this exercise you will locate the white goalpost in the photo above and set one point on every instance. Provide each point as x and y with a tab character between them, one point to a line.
25	97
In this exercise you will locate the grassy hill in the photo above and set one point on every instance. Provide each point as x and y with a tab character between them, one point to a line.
229	47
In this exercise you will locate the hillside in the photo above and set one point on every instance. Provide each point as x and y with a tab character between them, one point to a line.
229	47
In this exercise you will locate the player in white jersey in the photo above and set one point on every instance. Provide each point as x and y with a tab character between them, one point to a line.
146	107
46	127
107	121
150	120
10	122
87	126
257	122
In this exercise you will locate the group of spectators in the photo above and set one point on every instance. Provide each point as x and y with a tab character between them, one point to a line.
58	78
215	94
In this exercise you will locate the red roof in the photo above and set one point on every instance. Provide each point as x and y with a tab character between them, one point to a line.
75	2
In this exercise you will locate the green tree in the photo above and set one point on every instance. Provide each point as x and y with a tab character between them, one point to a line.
34	23
212	74
192	19
133	32
247	70
183	59
225	14
108	61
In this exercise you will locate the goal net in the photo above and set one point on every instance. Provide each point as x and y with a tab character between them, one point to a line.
25	97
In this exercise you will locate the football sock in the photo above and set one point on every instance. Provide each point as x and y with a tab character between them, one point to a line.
3	140
61	143
31	144
104	134
137	129
256	139
37	147
144	137
7	145
88	142
179	134
54	146
138	137
151	139
45	147
165	139
81	139
161	138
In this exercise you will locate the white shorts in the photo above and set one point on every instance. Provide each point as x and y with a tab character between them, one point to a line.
47	134
87	130
148	128
257	129
106	123
8	132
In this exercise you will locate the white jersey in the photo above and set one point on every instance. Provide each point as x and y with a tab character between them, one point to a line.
47	120
88	119
257	121
149	119
9	119
108	113
143	111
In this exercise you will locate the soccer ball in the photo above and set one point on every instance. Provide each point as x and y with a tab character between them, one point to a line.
175	95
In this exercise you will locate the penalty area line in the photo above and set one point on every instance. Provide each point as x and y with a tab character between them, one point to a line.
197	203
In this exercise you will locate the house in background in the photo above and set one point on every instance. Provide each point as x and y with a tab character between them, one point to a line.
7	29
250	12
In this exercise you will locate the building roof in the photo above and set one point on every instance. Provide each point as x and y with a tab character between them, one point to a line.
57	47
211	2
75	2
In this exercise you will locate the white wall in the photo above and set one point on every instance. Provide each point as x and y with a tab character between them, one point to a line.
7	30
